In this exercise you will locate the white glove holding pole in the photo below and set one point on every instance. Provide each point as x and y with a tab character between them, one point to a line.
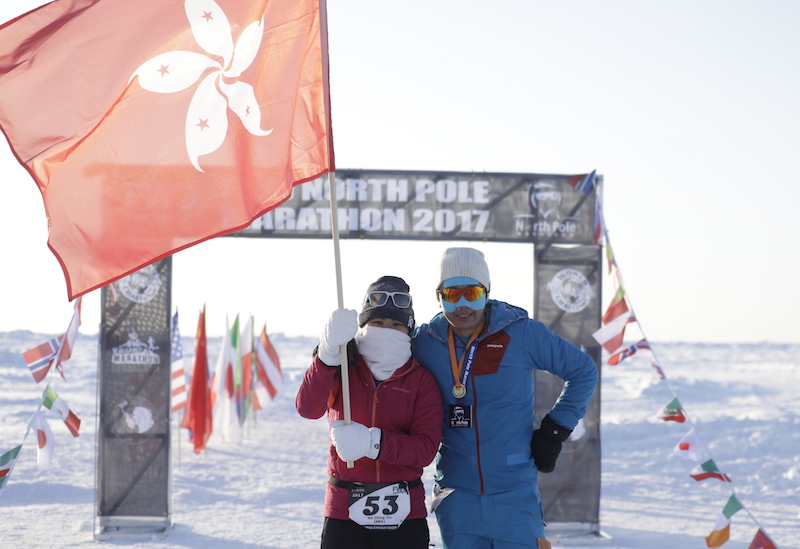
339	330
355	441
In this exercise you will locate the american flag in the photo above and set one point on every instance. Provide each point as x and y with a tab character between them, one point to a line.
178	383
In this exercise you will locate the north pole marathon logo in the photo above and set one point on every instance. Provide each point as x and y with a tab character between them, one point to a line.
141	286
570	290
135	354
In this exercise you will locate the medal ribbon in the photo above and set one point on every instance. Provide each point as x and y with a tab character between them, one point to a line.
460	370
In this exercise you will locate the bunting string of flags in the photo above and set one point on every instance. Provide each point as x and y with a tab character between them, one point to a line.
41	361
618	315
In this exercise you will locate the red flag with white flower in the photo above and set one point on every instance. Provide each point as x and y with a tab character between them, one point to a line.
152	126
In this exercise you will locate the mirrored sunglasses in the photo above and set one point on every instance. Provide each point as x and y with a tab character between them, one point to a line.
401	300
471	293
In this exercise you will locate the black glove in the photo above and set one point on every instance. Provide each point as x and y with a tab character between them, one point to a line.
546	444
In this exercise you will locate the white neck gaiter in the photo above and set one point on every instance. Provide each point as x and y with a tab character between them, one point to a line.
384	350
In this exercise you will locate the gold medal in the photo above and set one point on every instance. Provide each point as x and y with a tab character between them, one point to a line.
459	391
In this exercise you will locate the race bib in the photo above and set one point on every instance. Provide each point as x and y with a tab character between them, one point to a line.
379	506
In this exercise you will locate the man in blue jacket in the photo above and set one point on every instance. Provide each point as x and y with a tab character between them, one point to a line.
483	354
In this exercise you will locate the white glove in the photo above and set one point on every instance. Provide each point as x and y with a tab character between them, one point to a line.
340	329
355	441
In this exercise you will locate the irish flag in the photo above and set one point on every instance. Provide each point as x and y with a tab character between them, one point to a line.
7	461
672	412
44	438
55	403
708	469
722	529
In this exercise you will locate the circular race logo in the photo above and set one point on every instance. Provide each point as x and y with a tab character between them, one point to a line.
570	290
133	417
141	286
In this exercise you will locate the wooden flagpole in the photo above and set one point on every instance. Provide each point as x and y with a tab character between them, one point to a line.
323	28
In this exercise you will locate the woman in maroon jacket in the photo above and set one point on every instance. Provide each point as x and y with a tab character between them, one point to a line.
395	429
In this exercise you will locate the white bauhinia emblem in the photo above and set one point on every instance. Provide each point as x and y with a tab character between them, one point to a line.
207	119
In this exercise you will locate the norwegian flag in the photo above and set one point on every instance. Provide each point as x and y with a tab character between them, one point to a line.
54	351
40	358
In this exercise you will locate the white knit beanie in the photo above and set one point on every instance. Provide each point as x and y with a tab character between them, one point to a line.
467	262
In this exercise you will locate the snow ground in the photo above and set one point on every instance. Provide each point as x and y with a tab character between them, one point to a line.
267	492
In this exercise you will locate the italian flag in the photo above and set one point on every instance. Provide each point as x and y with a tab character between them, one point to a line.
55	403
7	461
722	529
45	441
706	470
672	412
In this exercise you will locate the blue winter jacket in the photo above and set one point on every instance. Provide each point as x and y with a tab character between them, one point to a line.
494	455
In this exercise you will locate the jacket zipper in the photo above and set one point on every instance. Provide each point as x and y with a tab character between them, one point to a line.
374	417
477	434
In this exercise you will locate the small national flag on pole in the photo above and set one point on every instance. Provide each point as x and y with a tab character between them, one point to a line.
247	365
708	469
178	382
56	404
583	182
672	412
268	367
7	461
228	100
762	541
226	420
689	447
197	417
44	438
40	358
630	351
722	528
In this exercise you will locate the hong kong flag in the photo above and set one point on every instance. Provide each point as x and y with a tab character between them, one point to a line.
152	126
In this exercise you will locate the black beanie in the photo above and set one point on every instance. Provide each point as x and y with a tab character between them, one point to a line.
388	309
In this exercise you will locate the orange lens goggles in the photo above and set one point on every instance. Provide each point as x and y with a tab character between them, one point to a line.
471	293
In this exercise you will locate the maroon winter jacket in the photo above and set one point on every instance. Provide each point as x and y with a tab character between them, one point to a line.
407	408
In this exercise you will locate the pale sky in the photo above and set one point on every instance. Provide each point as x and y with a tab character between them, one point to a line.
689	110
